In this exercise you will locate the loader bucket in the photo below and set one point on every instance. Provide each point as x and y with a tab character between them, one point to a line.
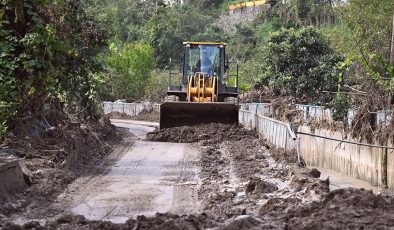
175	114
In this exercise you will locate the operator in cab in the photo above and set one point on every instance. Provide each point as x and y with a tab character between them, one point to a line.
204	64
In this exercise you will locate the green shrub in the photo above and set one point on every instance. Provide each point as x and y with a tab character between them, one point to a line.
299	63
339	107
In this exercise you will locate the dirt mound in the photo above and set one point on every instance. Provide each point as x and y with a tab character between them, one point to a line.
212	133
119	115
55	158
244	222
159	221
280	155
345	209
147	115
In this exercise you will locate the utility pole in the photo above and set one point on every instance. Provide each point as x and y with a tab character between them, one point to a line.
392	45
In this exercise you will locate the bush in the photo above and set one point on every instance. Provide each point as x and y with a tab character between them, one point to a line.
131	64
299	63
339	107
156	90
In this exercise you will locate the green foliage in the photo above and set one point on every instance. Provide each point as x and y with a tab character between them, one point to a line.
339	107
133	63
299	63
47	56
156	89
162	26
301	13
365	37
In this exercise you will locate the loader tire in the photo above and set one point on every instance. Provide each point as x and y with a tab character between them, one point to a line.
171	98
233	100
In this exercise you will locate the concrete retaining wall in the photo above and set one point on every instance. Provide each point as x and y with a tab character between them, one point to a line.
363	162
11	177
390	165
228	21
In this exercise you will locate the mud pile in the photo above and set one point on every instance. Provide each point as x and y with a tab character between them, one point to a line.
119	115
345	208
147	115
280	155
339	209
53	159
158	222
210	133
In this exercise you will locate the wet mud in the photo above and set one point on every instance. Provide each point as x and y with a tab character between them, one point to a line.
147	115
53	161
244	183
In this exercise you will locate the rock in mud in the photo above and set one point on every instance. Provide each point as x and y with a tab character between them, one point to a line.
315	173
257	186
244	222
277	204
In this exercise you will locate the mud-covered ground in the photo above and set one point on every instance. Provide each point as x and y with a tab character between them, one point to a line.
53	159
245	184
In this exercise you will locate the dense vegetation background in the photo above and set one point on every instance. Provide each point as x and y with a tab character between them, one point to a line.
69	55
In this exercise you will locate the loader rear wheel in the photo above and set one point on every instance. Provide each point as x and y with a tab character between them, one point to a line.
171	98
233	100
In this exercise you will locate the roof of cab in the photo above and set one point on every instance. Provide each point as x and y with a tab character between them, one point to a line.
204	43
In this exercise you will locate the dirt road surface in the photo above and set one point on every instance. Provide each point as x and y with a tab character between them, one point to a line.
207	177
149	177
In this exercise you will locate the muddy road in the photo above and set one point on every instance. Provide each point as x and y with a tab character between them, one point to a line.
212	176
149	177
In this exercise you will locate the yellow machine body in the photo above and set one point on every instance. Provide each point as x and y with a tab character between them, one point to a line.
202	97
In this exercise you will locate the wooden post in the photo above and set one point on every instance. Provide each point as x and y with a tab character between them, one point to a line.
392	45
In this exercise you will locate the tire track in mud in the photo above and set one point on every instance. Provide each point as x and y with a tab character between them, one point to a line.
149	177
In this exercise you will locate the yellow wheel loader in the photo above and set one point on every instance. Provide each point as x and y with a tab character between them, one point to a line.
203	91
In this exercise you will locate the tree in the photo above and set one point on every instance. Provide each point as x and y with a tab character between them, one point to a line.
47	54
299	63
133	65
370	33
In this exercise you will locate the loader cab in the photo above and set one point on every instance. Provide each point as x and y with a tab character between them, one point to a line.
206	59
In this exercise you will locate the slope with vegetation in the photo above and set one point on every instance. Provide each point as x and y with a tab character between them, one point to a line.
73	54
